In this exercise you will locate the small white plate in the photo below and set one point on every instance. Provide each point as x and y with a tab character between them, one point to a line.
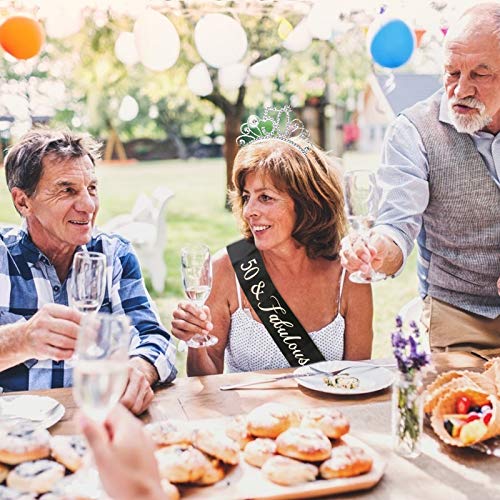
371	378
41	410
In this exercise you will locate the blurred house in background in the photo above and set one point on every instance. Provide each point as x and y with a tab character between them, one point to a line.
384	98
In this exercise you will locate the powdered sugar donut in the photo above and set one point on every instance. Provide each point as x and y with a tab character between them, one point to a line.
257	452
69	451
38	476
287	471
23	443
330	421
303	443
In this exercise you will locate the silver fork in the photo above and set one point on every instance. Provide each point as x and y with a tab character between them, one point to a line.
317	372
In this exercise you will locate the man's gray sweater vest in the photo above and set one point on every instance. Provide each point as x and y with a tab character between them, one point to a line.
462	219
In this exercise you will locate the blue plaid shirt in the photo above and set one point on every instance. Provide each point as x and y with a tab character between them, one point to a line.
28	281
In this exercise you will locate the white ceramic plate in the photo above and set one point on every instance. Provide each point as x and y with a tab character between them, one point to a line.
41	410
371	379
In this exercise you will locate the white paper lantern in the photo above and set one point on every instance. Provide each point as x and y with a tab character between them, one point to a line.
232	77
157	41
220	40
321	19
266	68
128	109
299	39
17	105
62	18
199	81
125	49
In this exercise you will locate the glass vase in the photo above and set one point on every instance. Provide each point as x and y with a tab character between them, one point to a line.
407	413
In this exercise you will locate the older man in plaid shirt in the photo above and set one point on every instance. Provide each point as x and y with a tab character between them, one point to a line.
53	185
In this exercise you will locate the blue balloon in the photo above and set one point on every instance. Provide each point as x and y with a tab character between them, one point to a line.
393	44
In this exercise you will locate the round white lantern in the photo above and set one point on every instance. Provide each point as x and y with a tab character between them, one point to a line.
232	77
266	68
299	39
321	19
157	41
220	40
199	81
62	18
125	49
128	109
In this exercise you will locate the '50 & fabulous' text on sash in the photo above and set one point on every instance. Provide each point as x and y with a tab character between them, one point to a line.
287	332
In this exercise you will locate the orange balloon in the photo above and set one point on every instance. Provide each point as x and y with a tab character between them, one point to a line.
21	36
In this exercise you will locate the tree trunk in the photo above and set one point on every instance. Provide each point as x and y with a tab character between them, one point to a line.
182	151
231	132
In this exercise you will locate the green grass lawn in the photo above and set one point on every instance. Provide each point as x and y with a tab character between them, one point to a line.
197	214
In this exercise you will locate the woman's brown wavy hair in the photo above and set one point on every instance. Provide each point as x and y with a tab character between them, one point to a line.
314	184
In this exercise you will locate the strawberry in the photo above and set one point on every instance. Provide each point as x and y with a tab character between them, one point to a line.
463	405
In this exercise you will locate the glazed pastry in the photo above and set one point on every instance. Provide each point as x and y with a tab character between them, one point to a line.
11	494
217	445
181	463
23	443
69	451
167	432
271	419
258	451
303	443
346	461
237	430
331	422
214	472
287	471
36	477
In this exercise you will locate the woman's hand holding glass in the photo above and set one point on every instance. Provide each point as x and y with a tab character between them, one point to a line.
192	321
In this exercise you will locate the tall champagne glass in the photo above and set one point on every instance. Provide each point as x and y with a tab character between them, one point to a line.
100	372
87	284
196	269
361	202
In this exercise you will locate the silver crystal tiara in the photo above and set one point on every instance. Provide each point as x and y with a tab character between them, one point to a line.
276	124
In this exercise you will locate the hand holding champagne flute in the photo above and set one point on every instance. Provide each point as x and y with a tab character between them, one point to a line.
196	269
101	370
361	204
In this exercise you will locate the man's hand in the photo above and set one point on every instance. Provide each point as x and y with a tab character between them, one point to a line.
51	333
379	251
138	393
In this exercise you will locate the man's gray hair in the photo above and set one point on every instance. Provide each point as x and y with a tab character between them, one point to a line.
491	10
24	161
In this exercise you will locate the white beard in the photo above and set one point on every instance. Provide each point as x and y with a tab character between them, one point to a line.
466	124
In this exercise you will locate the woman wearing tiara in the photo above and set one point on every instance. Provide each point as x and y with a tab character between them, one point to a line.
280	297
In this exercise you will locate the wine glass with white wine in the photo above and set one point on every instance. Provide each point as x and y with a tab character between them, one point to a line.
100	373
361	204
87	284
196	270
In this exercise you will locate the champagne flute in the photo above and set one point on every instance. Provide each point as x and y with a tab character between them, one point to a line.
196	269
101	371
87	284
361	201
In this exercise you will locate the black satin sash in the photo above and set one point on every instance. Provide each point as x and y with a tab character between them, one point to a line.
285	329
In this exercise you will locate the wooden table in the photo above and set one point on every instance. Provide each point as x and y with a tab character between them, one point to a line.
440	472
